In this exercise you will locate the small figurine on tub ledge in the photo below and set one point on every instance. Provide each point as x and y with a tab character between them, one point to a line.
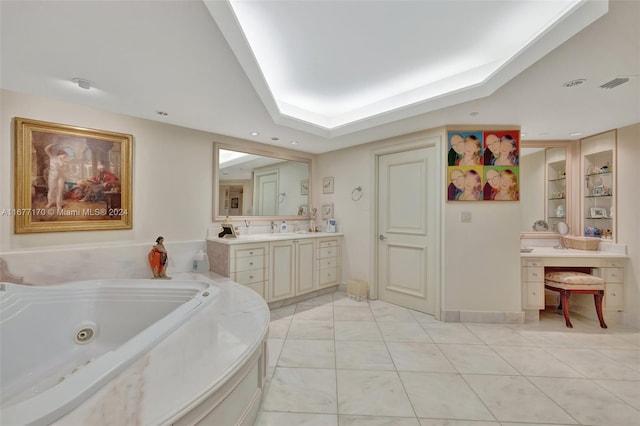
158	260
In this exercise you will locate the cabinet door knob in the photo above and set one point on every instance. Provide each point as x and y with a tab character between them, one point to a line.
250	263
250	276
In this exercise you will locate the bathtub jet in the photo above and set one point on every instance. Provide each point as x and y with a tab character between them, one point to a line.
59	344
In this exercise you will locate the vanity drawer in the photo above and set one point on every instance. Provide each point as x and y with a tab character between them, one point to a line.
613	275
328	262
532	262
259	288
614	297
248	277
249	263
330	243
328	252
327	276
613	263
533	274
257	250
532	296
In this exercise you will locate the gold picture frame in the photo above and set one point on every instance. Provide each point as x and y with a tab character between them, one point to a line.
71	178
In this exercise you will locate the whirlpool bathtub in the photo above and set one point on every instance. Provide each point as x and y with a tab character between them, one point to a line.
59	344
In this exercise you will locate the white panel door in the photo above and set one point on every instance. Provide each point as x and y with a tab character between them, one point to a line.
407	241
266	194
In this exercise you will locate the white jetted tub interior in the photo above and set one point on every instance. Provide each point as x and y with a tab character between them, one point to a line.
61	343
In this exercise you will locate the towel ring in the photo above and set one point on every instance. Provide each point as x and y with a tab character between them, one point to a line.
356	194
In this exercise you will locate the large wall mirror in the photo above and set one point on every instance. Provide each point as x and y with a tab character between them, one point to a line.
252	183
545	190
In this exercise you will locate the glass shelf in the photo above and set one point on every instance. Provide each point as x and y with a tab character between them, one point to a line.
558	180
598	196
598	174
557	199
599	218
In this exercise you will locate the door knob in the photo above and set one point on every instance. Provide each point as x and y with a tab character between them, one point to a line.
382	237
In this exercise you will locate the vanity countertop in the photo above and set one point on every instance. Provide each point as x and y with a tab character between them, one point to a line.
276	236
554	252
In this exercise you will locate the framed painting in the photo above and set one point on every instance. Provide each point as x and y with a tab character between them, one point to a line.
304	187
71	178
327	185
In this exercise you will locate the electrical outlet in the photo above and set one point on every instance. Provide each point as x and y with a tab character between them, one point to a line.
465	217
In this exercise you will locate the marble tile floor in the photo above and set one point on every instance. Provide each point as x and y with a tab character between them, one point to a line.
337	362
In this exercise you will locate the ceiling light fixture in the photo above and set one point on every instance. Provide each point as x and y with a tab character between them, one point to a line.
575	134
82	83
474	113
523	134
275	139
294	142
162	113
254	133
574	83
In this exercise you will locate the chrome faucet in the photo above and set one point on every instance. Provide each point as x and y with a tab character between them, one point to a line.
273	227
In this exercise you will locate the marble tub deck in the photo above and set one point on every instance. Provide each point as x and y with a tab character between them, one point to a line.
189	364
333	361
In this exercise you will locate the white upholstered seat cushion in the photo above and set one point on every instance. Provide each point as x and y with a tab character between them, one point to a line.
569	280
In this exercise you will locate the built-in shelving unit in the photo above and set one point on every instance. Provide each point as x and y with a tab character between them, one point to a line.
556	202
599	186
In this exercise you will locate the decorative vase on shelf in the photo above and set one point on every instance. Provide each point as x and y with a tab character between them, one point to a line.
560	211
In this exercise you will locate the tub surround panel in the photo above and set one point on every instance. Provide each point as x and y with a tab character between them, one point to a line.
44	267
188	367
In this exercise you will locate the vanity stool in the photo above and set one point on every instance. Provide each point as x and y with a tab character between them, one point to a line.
571	282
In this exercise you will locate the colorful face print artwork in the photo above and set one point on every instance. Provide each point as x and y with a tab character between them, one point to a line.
483	165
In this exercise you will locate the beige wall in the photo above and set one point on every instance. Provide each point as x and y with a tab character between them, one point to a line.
628	211
481	259
171	175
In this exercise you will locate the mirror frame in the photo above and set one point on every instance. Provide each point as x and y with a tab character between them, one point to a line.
280	154
567	144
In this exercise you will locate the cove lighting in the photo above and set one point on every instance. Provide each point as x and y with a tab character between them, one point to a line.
330	79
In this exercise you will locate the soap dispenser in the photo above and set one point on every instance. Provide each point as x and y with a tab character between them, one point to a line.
201	262
283	226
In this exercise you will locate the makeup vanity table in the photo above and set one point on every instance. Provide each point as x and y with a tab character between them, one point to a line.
608	264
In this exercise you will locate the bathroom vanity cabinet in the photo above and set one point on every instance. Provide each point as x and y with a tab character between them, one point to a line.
291	271
606	265
279	267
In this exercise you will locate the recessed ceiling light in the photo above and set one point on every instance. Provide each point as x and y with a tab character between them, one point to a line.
575	134
162	113
474	113
82	83
574	83
275	139
523	134
294	142
254	133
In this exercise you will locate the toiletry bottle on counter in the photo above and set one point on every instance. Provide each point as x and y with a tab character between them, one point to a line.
200	262
283	226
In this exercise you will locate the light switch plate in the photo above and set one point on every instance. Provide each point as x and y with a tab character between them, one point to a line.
465	217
